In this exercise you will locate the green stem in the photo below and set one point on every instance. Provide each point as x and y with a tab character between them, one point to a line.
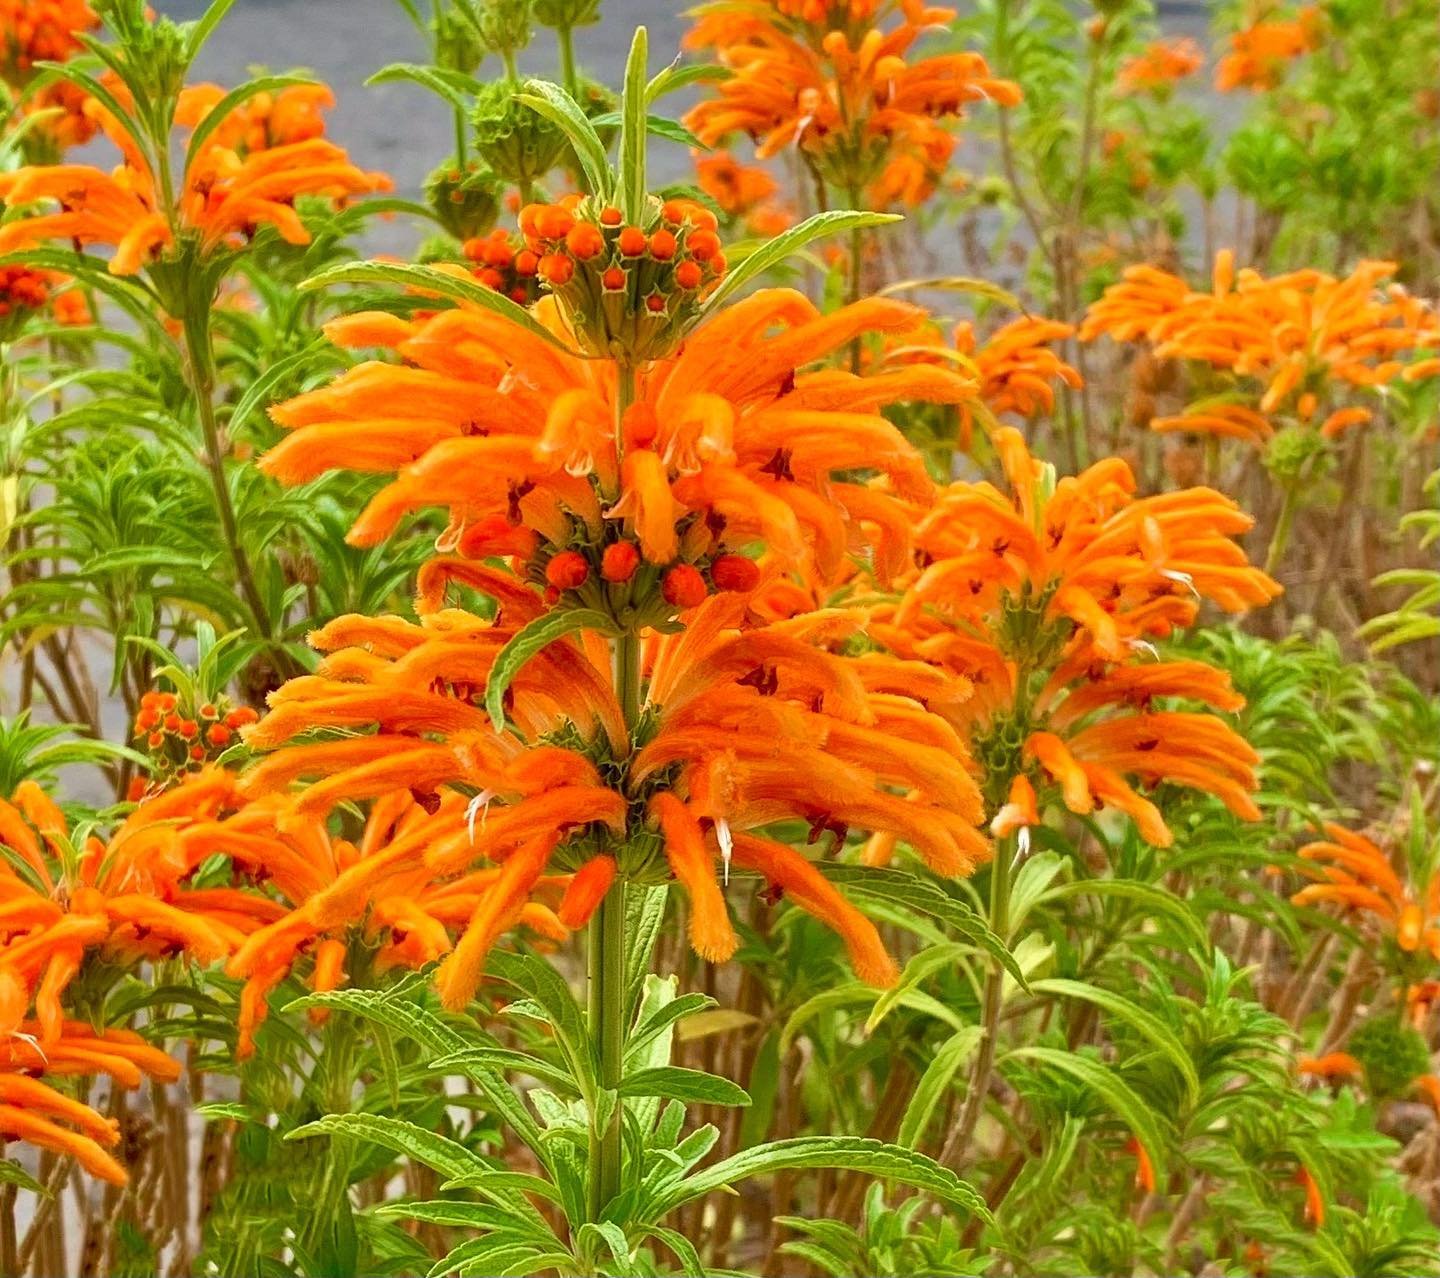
607	940
200	358
568	78
980	1073
1280	538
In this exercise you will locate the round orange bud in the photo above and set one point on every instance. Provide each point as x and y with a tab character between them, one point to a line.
218	734
632	241
734	572
567	570
662	245
172	723
155	740
619	561
655	303
554	223
197	753
490	277
208	711
240	717
683	587
610	217
673	211
552	596
166	701
556	269
613	279
518	294
526	262
150	699
145	720
703	245
188	728
717	264
530	220
687	275
585	240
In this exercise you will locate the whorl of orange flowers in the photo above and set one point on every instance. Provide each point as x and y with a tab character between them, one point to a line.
1296	344
1259	54
826	78
239	181
1354	873
1047	602
729	441
34	31
128	897
740	727
1161	65
743	192
32	1110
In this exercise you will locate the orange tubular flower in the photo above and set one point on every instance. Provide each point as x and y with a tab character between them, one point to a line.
730	441
1047	602
240	180
35	1112
1331	1065
1290	344
738	728
828	80
34	31
1356	874
1160	67
128	897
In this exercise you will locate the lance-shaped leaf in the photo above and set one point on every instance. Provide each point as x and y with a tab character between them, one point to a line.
529	641
633	130
557	106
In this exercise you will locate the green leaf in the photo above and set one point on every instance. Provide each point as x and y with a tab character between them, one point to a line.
899	887
678	76
236	98
1149	1026
213	1111
259	391
683	1248
659	125
442	283
633	130
644	917
675	1083
395	1134
773	252
1155	901
853	1153
206	23
500	1058
544	984
455	87
935	1082
529	641
14	1174
1113	1090
557	106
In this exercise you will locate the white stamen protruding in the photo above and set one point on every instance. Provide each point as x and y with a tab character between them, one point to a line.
1184	578
1142	645
479	805
727	847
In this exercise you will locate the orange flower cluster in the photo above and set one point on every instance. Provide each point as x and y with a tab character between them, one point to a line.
1259	54
1296	343
501	265
624	287
36	1112
827	79
183	738
34	31
1355	874
745	193
728	442
1047	602
226	193
741	726
1162	65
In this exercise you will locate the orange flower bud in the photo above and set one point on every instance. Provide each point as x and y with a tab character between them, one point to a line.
610	217
662	246
166	701
683	587
172	723
188	728
632	241
554	222
619	561
197	753
734	572
529	220
155	740
218	735
655	303
238	718
556	269
585	240
703	245
526	262
567	570
687	275
613	279
208	711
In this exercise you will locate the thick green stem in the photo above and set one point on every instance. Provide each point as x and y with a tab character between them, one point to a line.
981	1071
1280	538
607	940
568	78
